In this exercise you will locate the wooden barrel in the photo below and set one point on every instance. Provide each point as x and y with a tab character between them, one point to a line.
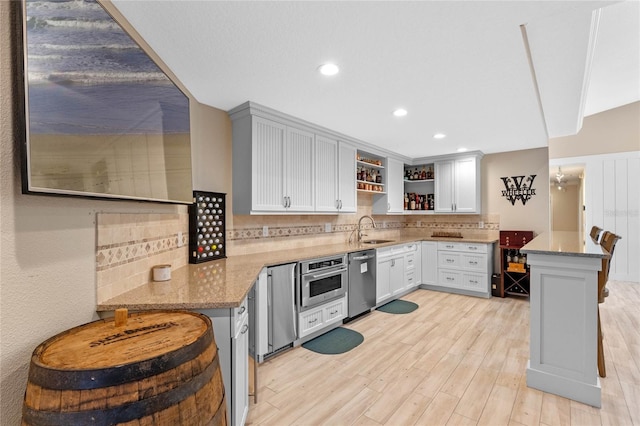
160	368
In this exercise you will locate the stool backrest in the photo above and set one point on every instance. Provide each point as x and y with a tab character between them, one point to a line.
608	242
595	232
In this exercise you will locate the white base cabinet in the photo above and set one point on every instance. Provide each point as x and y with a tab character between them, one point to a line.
320	317
398	270
231	332
429	262
461	267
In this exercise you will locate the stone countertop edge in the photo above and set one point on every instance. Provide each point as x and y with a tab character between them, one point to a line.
224	283
565	243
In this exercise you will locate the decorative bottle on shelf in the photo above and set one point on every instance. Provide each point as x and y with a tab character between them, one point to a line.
406	201
423	175
412	202
430	173
416	175
515	258
508	256
372	176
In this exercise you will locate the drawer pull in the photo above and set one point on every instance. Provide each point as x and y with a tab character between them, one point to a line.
473	262
313	320
333	313
244	329
473	281
242	309
473	248
449	260
449	279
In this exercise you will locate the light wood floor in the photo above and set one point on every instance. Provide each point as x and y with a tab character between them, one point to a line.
456	360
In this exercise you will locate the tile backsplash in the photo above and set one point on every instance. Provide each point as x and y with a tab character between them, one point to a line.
129	245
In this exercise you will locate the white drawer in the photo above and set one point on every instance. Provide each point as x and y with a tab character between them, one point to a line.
335	311
474	262
240	314
475	282
410	261
449	259
461	246
411	279
448	278
311	321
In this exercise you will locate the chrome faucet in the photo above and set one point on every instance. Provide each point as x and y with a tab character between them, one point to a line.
360	234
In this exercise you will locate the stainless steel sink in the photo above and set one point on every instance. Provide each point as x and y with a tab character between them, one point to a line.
377	241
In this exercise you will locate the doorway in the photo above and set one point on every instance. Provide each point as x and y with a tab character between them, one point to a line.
566	197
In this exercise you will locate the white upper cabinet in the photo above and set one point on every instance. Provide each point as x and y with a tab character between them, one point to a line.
299	170
347	178
273	167
267	166
282	165
395	185
335	164
393	200
457	185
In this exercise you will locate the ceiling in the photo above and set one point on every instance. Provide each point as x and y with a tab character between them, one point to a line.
460	68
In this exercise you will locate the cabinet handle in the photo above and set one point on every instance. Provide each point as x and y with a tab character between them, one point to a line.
473	281
241	310
455	207
313	320
284	201
473	263
340	204
449	279
289	201
449	260
244	328
333	313
388	206
473	248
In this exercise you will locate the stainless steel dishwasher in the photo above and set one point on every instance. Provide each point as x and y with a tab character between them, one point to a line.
362	282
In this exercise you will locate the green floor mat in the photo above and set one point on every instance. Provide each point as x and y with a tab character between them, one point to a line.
398	307
337	341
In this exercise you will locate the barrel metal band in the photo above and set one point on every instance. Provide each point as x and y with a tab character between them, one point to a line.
126	412
56	379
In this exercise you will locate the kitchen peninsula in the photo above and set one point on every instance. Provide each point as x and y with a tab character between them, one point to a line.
221	289
564	315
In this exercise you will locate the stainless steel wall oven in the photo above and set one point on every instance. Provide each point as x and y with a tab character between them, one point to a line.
322	280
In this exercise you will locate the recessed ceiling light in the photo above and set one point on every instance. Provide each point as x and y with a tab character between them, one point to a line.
439	136
400	112
462	149
329	69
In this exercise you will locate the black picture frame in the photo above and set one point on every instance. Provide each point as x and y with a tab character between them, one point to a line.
101	119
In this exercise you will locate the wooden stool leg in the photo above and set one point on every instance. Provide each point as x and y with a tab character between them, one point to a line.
601	367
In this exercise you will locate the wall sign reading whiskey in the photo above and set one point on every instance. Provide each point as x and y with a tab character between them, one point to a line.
207	227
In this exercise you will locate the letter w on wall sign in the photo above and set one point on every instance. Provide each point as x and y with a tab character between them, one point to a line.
518	188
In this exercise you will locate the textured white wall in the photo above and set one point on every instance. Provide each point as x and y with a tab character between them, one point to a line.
47	251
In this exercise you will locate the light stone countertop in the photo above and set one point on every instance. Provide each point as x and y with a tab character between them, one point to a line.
226	282
565	243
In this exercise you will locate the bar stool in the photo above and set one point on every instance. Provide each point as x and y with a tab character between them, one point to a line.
595	233
608	242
